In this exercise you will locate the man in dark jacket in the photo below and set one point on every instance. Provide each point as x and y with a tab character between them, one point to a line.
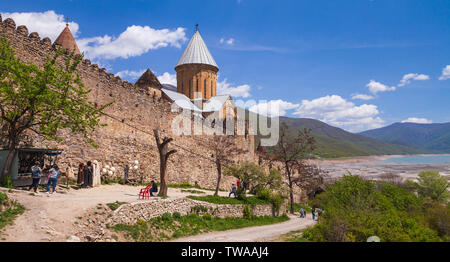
154	188
88	173
36	172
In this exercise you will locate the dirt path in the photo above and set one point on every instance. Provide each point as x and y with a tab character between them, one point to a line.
52	217
253	234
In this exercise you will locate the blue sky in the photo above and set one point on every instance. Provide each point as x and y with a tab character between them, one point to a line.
341	62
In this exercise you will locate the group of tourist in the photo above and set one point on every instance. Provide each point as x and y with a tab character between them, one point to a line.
316	213
85	175
52	173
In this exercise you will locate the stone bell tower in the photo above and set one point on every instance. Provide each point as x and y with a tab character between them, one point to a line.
197	70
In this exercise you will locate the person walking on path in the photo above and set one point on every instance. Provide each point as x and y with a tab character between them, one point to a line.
233	191
36	173
54	173
302	214
154	188
88	174
313	212
80	175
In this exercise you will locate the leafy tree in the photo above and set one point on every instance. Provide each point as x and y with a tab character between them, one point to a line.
355	209
432	185
42	100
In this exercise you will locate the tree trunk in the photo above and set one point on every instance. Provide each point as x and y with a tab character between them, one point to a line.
163	176
291	196
164	154
291	191
8	163
219	176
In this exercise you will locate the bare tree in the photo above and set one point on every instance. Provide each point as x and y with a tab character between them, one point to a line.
224	150
291	151
164	155
310	178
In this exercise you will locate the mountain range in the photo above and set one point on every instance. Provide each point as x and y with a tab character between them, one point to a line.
435	137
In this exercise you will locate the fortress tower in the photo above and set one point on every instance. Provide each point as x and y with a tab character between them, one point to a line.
66	40
197	70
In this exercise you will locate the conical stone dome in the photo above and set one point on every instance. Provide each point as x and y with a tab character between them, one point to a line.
197	53
66	40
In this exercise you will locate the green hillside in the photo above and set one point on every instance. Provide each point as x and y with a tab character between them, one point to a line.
434	137
333	142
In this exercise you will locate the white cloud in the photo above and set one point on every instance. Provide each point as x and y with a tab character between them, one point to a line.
337	111
273	108
417	120
47	24
130	74
412	76
362	97
225	88
228	42
134	41
445	73
375	87
168	78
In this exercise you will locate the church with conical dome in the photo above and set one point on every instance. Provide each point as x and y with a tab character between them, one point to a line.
197	70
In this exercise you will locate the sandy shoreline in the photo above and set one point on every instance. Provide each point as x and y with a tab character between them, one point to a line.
359	159
368	166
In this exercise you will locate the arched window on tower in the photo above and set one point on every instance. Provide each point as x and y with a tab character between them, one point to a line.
197	87
212	93
182	87
204	88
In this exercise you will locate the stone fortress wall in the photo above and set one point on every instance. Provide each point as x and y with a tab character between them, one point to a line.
130	121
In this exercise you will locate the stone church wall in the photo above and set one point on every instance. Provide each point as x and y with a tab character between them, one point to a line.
130	121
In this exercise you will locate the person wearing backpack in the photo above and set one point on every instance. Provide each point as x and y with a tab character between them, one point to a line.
154	188
36	172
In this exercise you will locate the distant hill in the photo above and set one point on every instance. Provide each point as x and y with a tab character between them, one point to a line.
334	142
434	137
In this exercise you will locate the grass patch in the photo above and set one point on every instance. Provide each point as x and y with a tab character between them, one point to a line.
297	207
251	200
192	191
13	209
294	236
170	226
115	205
187	185
113	181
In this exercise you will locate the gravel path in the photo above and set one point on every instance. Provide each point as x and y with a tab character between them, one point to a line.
253	234
52	217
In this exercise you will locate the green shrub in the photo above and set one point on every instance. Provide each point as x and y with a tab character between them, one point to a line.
176	215
252	200
7	182
356	209
3	197
207	216
247	212
166	216
264	193
115	205
199	209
